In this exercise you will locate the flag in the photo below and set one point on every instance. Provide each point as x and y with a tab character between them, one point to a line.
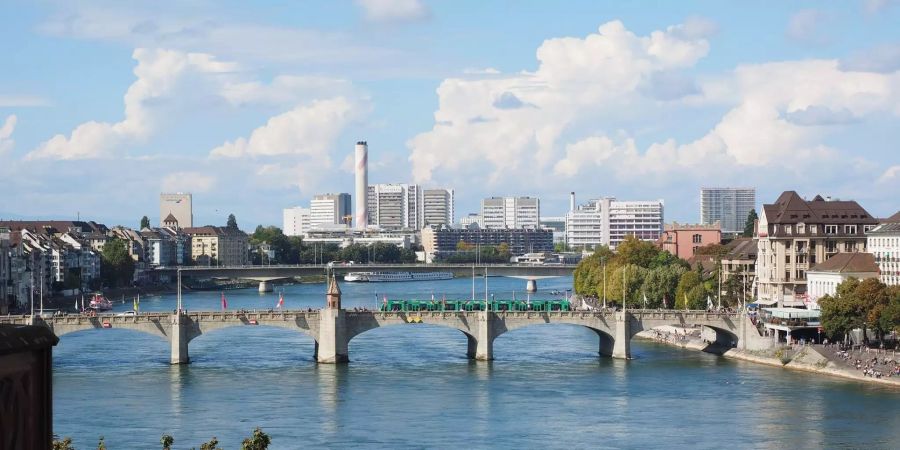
280	301
224	302
645	301
709	304
134	304
685	302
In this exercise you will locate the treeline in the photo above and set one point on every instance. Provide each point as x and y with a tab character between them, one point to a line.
292	250
868	305
638	269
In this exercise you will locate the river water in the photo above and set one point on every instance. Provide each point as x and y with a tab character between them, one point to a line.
411	386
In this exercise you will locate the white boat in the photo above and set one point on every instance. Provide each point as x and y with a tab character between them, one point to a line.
397	276
100	303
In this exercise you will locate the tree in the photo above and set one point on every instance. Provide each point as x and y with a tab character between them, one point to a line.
145	222
65	444
258	441
635	251
231	224
841	313
717	250
750	224
464	246
116	265
660	285
167	441
213	444
690	289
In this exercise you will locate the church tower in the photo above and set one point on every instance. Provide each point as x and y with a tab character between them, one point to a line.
333	297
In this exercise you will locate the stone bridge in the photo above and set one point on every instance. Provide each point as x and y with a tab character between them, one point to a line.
333	329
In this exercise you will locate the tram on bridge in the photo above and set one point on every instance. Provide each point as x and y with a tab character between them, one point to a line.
476	305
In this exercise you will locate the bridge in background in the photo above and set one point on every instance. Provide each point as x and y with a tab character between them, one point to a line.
265	274
333	329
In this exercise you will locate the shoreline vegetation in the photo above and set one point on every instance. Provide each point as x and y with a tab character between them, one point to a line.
803	358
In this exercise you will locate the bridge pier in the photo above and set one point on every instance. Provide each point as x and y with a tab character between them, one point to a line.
332	345
472	347
264	287
531	286
622	342
179	340
484	342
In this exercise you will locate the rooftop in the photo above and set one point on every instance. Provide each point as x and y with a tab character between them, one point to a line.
791	208
848	263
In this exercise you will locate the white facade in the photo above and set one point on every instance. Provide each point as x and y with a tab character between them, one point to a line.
178	205
510	212
438	207
329	209
729	206
395	206
607	221
471	218
297	221
820	284
883	243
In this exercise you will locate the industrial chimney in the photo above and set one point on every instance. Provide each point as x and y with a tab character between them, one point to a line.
571	201
362	185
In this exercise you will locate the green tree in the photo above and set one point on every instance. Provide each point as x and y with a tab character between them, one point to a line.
690	288
560	247
717	250
213	444
463	246
258	441
167	441
660	285
145	222
750	224
116	265
65	444
231	224
841	313
635	251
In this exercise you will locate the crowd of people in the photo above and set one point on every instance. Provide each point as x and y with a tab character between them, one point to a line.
875	363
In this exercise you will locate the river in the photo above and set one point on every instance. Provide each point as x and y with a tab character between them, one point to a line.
411	386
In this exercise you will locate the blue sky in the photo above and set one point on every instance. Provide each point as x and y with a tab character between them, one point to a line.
254	107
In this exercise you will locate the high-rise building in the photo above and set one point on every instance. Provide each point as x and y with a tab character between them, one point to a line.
795	234
296	221
329	209
606	221
179	206
728	206
444	240
510	212
394	206
437	207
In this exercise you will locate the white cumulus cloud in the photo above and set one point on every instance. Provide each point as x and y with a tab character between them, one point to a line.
6	131
189	181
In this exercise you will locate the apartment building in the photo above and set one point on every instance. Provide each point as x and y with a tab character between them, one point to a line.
218	246
438	207
607	221
794	235
394	206
437	240
683	240
510	212
296	221
329	209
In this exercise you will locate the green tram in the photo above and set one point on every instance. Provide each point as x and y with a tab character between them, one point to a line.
476	305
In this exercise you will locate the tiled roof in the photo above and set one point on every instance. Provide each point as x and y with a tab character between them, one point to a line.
741	248
886	228
791	208
848	263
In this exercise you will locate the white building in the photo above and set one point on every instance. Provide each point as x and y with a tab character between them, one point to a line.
606	221
438	207
297	221
883	242
394	206
329	209
178	205
510	212
824	278
470	219
729	206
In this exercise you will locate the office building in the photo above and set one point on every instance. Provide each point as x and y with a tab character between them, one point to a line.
510	212
394	206
795	234
443	240
438	207
883	242
218	246
179	206
297	221
557	224
329	209
607	221
728	206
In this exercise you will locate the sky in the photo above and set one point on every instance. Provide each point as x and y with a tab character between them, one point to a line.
256	106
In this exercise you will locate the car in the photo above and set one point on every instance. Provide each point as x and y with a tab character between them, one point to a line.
127	314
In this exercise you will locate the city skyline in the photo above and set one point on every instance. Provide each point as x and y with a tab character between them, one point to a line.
216	108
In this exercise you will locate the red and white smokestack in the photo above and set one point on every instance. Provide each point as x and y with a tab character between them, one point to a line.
361	218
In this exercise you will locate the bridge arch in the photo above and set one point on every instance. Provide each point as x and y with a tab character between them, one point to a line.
197	328
159	329
604	332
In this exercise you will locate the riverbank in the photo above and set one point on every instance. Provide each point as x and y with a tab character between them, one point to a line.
805	359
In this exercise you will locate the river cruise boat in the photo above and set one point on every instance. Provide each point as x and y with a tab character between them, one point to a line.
100	303
397	276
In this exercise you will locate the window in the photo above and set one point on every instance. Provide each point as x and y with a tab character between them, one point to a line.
848	247
801	228
787	259
813	229
868	228
696	239
787	229
831	229
849	229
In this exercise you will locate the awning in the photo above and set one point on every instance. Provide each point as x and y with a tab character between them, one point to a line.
765	302
794	313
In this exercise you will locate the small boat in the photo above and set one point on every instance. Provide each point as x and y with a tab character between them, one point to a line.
397	276
100	303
